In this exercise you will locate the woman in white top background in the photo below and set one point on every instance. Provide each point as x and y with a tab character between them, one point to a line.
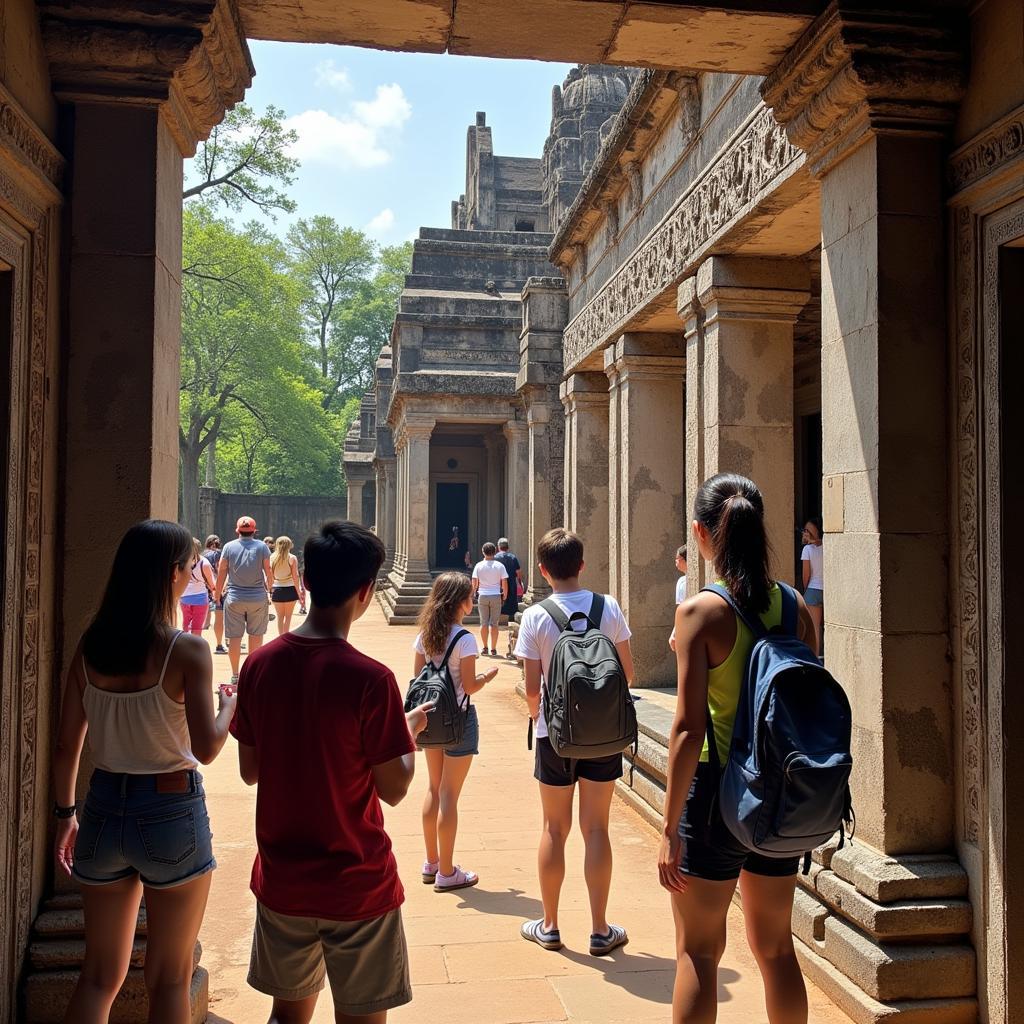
195	601
287	587
450	601
812	559
143	691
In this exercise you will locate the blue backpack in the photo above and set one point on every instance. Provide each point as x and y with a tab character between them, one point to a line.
784	788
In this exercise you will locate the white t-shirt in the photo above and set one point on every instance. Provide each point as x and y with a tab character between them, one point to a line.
815	554
681	589
538	632
197	581
490	572
465	648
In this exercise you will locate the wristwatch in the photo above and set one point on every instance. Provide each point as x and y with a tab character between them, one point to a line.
64	812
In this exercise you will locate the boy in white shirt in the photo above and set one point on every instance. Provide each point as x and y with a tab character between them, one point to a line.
490	587
680	588
560	554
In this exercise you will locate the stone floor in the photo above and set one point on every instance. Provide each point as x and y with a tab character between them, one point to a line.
469	965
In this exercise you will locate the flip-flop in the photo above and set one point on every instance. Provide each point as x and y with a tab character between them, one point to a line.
602	945
429	872
533	931
459	880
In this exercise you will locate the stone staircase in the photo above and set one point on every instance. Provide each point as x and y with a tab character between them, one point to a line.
57	951
403	600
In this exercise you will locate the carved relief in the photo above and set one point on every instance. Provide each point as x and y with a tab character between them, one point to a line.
18	132
999	145
758	155
635	182
689	110
610	209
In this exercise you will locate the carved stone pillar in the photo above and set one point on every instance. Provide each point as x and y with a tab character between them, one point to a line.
494	516
417	449
137	93
749	309
647	515
869	98
539	421
355	501
386	472
517	482
585	399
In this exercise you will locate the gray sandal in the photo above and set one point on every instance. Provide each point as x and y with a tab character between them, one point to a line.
533	931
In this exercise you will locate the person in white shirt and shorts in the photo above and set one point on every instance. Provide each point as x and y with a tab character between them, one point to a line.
490	587
812	560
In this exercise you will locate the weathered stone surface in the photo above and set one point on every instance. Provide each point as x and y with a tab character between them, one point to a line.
808	918
889	879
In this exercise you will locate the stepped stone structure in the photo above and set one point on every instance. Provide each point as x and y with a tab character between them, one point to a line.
796	250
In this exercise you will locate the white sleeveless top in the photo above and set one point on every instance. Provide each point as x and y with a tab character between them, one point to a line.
143	732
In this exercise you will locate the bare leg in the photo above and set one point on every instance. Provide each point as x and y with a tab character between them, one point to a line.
284	610
218	626
453	777
768	912
431	802
110	915
234	653
372	1018
293	1011
174	916
556	803
817	617
700	916
255	642
595	806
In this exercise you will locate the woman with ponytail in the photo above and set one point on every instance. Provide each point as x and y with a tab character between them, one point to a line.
450	600
700	860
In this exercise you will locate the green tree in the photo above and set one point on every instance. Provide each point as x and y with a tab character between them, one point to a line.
245	161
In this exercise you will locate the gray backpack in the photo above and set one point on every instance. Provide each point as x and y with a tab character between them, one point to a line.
588	708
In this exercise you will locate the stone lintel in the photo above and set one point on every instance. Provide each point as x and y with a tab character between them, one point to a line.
582	387
857	71
192	60
748	288
515	430
538	414
646	355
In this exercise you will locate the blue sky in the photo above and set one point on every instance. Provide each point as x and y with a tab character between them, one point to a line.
383	135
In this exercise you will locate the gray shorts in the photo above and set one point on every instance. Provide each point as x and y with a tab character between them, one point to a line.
245	616
490	610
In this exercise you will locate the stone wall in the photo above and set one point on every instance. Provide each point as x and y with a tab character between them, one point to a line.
275	514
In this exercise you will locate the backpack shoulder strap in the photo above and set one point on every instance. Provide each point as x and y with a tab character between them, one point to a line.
451	647
556	613
790	610
596	611
753	623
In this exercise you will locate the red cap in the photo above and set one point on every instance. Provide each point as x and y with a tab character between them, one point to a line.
245	524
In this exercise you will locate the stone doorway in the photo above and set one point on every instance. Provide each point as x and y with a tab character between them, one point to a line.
452	525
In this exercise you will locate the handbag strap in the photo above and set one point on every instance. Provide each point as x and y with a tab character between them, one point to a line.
451	647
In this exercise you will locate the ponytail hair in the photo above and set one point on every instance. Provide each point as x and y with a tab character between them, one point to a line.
449	592
731	509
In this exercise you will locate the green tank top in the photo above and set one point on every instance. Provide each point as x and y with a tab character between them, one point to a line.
725	681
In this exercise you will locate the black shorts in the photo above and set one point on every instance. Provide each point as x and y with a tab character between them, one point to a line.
284	594
553	770
710	850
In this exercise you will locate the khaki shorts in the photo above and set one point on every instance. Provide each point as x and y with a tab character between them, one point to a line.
243	616
490	609
366	962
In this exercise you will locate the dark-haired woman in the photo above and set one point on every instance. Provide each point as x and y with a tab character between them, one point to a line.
143	692
450	600
812	563
700	860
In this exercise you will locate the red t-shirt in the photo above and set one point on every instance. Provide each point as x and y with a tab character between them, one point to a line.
320	714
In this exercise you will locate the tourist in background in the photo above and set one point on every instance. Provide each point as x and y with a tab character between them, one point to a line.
195	601
215	611
143	693
812	560
244	580
288	587
515	579
490	586
450	600
700	860
680	589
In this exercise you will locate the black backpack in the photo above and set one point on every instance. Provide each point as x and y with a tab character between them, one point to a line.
446	724
588	708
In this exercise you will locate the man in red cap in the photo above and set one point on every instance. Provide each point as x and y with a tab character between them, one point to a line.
245	579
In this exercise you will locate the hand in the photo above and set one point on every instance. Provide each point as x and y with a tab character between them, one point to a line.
64	843
417	718
216	597
486	677
669	856
227	697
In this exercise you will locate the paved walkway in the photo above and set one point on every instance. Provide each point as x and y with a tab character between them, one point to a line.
469	965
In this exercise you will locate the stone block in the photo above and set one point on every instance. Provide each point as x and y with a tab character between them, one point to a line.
751	272
861	503
890	879
833	510
904	919
914	579
889	971
849	283
853	570
808	917
849	194
849	402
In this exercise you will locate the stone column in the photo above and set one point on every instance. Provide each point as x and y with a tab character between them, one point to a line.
517	482
585	398
417	451
870	102
749	309
400	509
494	515
355	501
386	470
698	572
648	517
538	419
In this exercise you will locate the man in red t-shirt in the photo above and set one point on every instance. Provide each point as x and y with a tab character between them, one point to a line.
321	728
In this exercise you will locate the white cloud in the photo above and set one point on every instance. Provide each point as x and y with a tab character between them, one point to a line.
384	221
332	77
358	138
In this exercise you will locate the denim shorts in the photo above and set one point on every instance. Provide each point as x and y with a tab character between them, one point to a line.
127	828
814	597
470	738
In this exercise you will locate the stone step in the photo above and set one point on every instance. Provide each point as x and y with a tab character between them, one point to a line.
68	921
61	953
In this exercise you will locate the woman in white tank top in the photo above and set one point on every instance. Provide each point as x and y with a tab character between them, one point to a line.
143	692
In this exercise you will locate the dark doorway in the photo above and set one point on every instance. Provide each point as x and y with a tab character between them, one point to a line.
452	529
808	497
